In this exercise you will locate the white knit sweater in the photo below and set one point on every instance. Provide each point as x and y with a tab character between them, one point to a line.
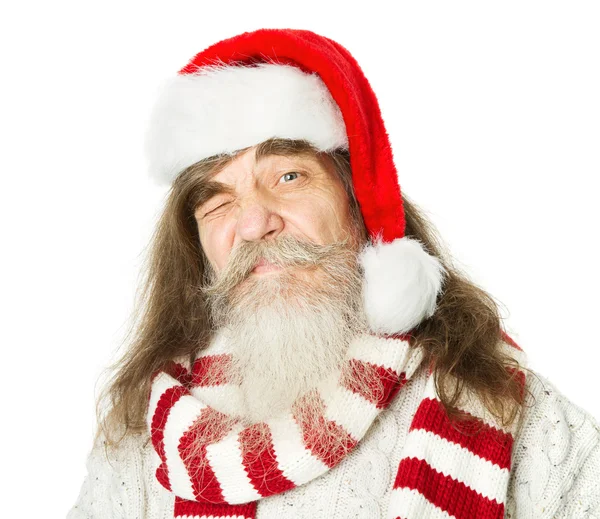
555	469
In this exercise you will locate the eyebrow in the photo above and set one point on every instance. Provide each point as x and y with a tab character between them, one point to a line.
285	147
212	188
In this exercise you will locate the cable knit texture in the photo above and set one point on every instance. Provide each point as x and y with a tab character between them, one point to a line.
555	469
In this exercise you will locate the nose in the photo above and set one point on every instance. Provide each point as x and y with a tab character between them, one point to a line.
258	222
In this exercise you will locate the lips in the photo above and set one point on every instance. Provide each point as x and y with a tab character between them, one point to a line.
265	266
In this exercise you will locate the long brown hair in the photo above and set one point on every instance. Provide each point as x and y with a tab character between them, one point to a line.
170	317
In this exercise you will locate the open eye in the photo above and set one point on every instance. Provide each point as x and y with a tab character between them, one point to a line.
291	173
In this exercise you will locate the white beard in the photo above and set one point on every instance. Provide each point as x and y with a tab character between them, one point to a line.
283	348
289	330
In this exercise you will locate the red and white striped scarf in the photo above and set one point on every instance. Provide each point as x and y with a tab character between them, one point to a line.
443	472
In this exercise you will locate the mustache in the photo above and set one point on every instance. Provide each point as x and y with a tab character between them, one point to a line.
284	251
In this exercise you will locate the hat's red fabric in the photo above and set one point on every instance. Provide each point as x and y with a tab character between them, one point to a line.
375	178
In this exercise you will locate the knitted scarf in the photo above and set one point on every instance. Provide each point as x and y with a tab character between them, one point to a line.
444	470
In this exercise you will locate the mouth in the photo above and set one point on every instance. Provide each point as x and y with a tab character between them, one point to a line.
264	266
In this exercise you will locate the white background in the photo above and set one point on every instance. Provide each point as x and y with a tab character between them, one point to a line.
494	116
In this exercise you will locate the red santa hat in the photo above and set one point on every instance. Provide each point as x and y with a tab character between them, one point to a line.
296	84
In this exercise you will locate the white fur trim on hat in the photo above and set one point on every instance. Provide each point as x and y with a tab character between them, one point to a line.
221	109
401	284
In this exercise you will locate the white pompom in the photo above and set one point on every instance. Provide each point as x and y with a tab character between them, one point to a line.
401	284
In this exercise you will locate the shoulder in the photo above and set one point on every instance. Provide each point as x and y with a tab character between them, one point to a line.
556	457
112	482
123	459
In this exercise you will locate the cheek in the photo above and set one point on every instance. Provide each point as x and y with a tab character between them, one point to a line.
322	218
216	246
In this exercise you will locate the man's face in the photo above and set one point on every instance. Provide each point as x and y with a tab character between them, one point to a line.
295	195
288	327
